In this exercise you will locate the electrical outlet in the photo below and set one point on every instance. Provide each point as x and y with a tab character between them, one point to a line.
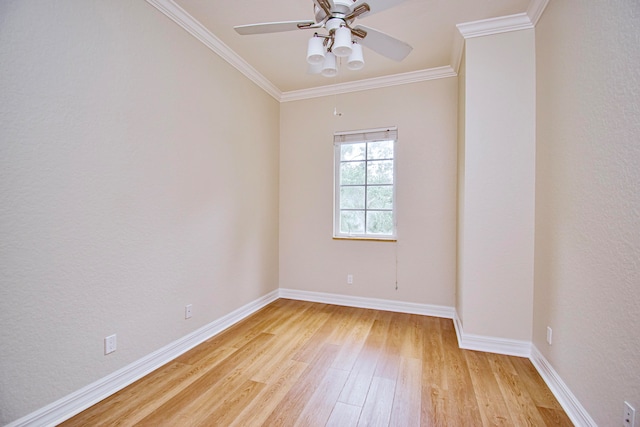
188	311
629	418
349	279
110	344
549	335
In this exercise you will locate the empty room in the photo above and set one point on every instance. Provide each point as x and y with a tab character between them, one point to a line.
320	212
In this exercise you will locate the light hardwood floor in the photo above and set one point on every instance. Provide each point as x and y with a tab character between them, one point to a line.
309	364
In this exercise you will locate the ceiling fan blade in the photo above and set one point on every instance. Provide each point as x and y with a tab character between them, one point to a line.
375	6
384	44
272	27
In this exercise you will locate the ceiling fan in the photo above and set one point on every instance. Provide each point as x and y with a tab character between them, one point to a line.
344	39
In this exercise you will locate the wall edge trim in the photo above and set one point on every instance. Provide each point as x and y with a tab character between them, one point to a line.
371	303
489	344
74	403
487	27
569	402
372	83
536	9
201	33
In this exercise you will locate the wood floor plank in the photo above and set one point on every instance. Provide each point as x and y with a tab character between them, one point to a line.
377	407
357	385
344	415
149	393
534	384
493	409
407	398
555	417
232	406
434	381
519	403
320	404
256	412
461	404
389	362
355	340
195	402
308	351
302	363
291	339
289	409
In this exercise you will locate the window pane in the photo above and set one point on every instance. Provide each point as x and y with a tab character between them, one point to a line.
380	172
352	173
352	222
380	197
353	151
352	198
380	150
380	222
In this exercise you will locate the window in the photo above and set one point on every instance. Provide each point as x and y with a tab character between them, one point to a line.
365	184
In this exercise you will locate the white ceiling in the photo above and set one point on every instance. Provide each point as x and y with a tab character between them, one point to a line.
427	25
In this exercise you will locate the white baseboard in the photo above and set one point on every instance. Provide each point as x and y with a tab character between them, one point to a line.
575	411
82	399
490	344
373	303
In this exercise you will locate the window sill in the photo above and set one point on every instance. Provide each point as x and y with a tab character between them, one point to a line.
367	239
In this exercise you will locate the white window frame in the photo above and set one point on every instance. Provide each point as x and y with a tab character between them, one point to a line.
355	137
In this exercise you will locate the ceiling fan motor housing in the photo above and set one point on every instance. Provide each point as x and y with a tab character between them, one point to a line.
333	24
342	6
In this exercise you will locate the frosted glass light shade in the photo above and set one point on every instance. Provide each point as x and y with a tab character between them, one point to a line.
342	42
315	51
356	59
329	68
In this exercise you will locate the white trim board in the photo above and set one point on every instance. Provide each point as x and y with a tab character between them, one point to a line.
503	24
490	344
200	32
181	17
367	84
80	400
467	30
575	411
372	303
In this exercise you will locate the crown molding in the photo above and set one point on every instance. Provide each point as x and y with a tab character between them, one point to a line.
367	84
200	32
457	51
486	27
503	24
536	9
467	30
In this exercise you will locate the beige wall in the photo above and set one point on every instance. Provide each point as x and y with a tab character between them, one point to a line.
587	273
130	185
495	279
310	260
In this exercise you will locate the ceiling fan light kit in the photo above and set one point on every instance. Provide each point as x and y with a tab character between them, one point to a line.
315	50
329	67
343	40
356	59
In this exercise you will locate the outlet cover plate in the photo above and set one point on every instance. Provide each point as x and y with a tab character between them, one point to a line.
629	418
110	344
